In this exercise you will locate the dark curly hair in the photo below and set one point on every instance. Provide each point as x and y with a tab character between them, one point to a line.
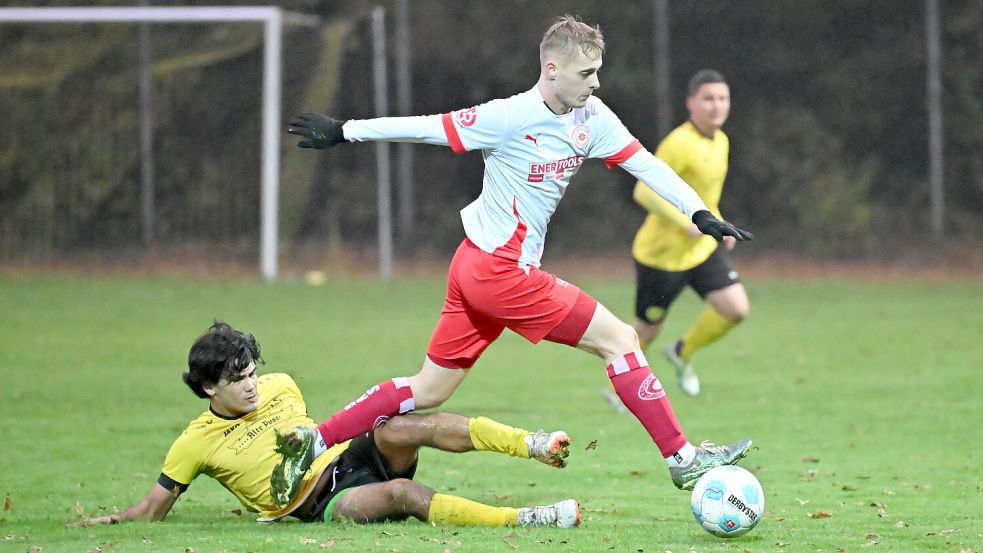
221	351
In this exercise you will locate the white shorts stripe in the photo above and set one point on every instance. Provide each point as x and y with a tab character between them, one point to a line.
401	382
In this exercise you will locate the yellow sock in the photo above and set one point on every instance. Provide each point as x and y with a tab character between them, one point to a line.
448	509
488	435
707	328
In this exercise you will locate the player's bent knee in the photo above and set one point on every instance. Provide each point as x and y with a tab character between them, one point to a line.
622	340
627	338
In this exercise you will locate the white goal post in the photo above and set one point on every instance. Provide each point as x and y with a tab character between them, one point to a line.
273	19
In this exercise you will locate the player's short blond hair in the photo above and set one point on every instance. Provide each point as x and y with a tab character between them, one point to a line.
568	34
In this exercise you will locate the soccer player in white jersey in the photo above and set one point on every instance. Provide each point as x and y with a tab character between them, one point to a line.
532	143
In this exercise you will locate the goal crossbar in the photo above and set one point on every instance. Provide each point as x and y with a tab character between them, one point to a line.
273	19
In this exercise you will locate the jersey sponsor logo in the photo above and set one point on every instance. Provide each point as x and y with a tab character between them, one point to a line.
651	389
533	139
252	432
580	136
466	117
553	170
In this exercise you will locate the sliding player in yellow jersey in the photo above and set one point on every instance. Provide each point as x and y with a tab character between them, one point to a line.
670	253
239	439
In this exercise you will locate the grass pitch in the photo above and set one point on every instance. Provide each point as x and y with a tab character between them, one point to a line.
863	400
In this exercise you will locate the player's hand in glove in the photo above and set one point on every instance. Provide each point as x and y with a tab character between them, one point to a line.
710	225
319	131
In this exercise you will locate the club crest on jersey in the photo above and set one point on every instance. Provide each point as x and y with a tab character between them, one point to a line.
466	117
580	136
554	170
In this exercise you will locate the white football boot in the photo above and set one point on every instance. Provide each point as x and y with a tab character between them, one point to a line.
565	514
551	449
685	375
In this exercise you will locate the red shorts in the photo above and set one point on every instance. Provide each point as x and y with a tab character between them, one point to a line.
489	292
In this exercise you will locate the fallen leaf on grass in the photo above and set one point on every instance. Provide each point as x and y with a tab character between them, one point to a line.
941	532
307	541
7	503
781	544
441	542
145	541
95	550
236	512
848	488
819	514
870	543
592	445
35	549
78	509
809	475
871	536
900	524
810	459
802	501
328	544
840	549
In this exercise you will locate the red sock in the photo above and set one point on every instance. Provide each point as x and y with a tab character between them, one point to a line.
388	399
642	394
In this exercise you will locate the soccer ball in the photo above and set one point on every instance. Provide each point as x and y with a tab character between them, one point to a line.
728	501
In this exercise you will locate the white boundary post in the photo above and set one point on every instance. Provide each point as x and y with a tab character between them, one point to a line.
270	191
273	17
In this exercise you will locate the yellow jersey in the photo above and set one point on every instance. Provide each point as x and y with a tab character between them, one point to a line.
239	452
662	242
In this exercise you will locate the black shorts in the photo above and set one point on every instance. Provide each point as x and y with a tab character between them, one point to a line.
360	464
655	289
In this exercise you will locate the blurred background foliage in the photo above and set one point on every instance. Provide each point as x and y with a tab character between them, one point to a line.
828	127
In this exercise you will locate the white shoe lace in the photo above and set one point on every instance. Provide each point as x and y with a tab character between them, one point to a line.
538	516
712	449
539	443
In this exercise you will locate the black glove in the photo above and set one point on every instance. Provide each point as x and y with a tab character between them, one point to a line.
710	225
320	131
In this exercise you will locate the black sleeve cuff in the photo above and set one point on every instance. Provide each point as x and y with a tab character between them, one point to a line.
170	484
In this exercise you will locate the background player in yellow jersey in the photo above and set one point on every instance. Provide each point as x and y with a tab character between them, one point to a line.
670	252
367	479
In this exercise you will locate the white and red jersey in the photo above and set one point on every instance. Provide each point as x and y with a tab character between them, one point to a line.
530	156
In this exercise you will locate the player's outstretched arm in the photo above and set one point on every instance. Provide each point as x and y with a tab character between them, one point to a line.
154	507
710	225
319	131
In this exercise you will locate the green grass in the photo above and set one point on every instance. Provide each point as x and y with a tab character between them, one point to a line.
863	400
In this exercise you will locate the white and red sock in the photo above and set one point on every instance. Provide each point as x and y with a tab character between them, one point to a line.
375	407
642	394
